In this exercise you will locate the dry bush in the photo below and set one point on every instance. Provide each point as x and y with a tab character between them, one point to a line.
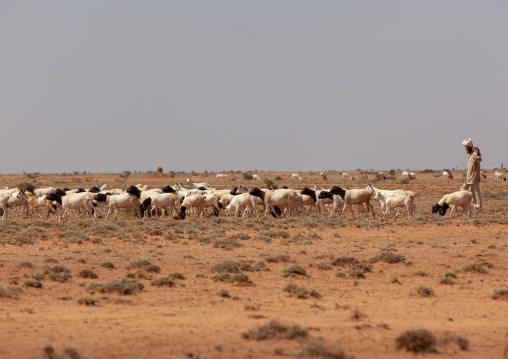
227	243
500	294
59	277
276	331
418	341
122	287
388	257
478	266
145	265
276	258
423	292
108	265
11	292
356	314
87	273
460	341
318	349
295	290
159	282
223	293
32	284
86	301
295	269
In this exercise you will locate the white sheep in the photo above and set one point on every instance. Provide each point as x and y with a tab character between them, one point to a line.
323	174
197	185
453	200
272	199
117	201
42	191
498	176
296	176
447	174
347	176
354	196
256	178
220	175
194	202
77	201
383	175
243	201
166	201
393	193
395	202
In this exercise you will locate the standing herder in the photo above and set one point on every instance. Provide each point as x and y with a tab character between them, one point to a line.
472	182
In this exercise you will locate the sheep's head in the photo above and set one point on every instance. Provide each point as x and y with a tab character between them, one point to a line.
435	208
338	191
133	190
257	192
101	197
442	210
167	189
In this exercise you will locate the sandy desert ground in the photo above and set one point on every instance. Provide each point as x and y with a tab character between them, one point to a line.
311	286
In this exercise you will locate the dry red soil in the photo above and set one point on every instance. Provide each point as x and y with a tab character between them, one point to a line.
363	316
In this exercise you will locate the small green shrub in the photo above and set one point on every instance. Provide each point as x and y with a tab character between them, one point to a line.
388	257
122	287
32	284
59	277
294	270
276	330
159	282
87	273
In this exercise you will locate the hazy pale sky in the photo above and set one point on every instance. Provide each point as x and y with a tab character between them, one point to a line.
108	86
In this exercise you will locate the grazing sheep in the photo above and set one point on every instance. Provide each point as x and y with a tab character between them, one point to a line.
220	175
453	200
296	176
323	174
195	202
383	175
405	175
347	176
256	178
498	176
354	196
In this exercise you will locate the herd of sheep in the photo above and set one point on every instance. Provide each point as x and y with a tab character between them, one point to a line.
198	199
